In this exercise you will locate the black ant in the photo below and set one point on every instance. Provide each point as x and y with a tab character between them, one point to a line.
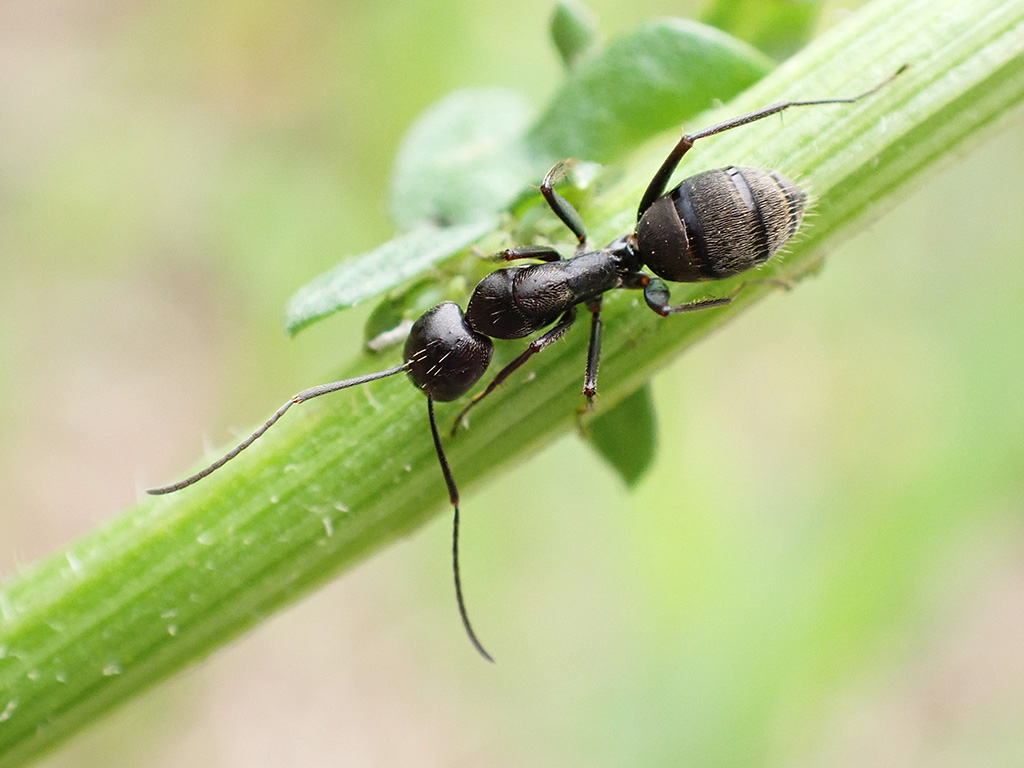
711	226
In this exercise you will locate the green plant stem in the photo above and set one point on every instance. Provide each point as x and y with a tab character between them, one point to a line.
170	580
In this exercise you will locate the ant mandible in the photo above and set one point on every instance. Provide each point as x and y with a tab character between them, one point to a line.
711	226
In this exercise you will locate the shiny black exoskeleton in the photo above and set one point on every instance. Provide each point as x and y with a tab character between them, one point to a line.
713	225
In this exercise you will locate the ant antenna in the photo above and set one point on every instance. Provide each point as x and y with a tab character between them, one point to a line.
306	394
323	389
453	495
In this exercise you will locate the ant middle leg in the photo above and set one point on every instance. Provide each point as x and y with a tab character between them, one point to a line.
546	340
593	351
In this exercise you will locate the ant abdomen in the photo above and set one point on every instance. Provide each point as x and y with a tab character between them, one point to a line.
443	355
719	223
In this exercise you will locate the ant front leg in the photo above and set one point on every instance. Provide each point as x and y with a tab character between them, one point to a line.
563	208
546	340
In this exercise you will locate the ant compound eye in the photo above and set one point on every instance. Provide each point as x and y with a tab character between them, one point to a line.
445	357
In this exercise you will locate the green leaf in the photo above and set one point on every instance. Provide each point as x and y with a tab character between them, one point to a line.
173	579
378	270
400	308
470	155
573	31
777	27
625	435
463	159
643	83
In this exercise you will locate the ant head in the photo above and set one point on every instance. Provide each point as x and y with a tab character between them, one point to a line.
443	355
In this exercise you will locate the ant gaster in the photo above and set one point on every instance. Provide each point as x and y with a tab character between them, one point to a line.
711	226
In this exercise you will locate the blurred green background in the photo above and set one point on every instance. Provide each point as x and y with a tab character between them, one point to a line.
825	566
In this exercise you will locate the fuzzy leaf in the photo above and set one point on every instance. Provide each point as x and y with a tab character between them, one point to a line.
777	27
378	270
626	435
573	31
463	159
643	83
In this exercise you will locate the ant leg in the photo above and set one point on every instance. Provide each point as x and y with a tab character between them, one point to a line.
657	296
593	351
549	338
539	252
661	177
656	187
563	208
453	496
